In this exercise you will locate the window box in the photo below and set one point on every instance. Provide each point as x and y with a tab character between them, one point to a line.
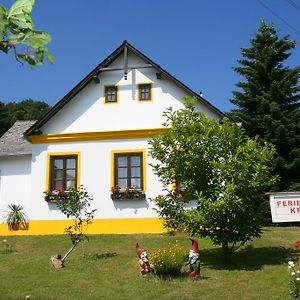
127	194
52	198
56	195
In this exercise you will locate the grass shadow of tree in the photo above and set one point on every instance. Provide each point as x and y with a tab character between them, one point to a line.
249	258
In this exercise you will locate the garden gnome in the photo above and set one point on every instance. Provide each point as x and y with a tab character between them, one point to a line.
143	260
194	260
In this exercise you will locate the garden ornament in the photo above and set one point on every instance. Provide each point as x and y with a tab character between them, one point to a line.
144	263
194	260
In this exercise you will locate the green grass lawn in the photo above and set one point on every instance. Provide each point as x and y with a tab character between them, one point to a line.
258	271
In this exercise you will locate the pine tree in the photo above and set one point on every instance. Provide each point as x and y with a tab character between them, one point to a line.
269	99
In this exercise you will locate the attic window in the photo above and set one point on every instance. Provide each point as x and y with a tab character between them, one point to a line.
144	90
111	93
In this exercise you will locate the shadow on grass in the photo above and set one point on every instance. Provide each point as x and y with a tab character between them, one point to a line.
249	258
98	256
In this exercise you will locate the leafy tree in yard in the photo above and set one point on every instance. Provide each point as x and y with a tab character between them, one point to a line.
269	98
220	168
17	33
25	110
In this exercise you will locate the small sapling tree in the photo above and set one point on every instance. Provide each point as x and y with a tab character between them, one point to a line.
223	170
76	206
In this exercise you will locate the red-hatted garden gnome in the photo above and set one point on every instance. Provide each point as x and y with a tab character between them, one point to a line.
194	260
144	263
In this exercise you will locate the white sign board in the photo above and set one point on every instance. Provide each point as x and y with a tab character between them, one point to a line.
285	207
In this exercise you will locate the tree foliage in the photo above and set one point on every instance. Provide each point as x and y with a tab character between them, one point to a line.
268	100
220	168
17	33
25	110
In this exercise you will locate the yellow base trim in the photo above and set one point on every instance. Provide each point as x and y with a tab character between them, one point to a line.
99	226
98	135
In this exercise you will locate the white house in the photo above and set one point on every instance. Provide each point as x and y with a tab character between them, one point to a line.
96	136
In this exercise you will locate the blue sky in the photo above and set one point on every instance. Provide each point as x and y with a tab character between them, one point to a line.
197	41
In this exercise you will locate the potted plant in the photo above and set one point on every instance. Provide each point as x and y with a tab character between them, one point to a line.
16	217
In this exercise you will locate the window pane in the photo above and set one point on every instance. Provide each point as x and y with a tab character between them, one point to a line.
71	174
136	172
135	161
57	184
122	172
71	163
122	161
58	163
58	174
146	96
122	183
136	182
70	184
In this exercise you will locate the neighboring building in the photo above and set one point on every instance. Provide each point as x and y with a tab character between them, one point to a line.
96	136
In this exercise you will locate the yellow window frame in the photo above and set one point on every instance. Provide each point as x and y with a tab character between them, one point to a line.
113	152
139	94
48	167
117	93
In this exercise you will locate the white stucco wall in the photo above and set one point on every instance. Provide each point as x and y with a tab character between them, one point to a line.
88	112
95	175
15	182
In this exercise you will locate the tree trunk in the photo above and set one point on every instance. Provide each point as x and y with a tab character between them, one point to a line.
226	252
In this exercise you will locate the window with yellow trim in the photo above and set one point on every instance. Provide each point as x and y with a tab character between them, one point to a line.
63	172
111	93
144	90
128	170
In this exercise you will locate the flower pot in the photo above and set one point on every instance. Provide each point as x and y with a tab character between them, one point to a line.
13	227
15	217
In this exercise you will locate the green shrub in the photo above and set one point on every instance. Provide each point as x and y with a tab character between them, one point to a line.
169	260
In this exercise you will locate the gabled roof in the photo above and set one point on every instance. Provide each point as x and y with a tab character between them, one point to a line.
105	63
13	141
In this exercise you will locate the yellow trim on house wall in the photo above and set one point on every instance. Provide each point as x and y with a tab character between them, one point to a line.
104	93
138	92
112	168
48	167
98	135
98	226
